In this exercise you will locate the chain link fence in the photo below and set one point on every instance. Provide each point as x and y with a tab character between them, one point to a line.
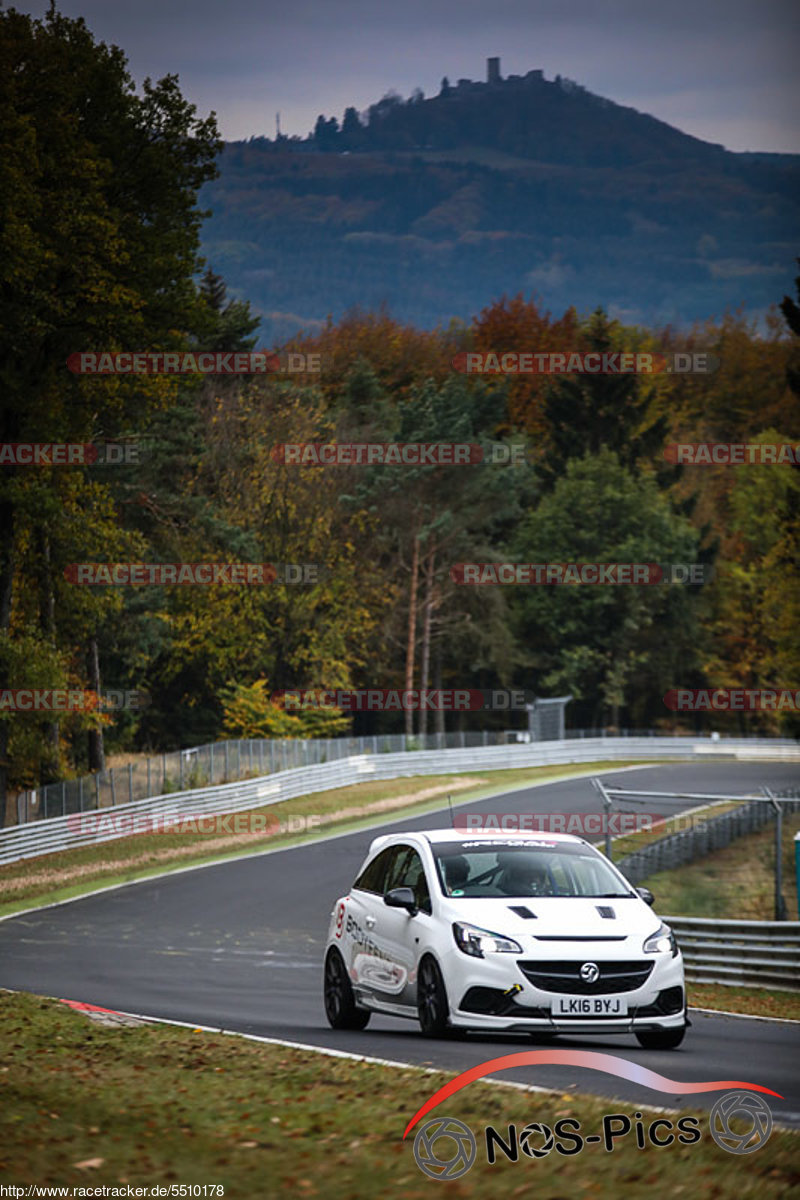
221	762
677	849
232	760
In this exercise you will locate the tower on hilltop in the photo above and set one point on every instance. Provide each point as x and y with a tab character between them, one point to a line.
493	70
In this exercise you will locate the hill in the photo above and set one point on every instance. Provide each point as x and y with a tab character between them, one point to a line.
435	207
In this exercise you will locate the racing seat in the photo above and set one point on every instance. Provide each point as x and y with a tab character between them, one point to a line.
456	872
524	879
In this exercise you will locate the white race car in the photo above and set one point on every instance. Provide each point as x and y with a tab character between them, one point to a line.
524	932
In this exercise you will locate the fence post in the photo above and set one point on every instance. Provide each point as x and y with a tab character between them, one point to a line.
180	769
606	814
80	794
130	781
113	787
780	906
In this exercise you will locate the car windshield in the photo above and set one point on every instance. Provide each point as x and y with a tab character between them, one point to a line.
511	868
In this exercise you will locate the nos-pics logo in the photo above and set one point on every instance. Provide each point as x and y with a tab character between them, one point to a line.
444	1148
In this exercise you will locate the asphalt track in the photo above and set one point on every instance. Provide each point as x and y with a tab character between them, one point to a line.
238	946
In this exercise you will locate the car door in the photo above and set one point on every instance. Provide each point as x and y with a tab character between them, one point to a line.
364	928
400	933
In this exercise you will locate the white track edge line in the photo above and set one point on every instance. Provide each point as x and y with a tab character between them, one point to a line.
404	1066
723	1012
330	1052
372	1060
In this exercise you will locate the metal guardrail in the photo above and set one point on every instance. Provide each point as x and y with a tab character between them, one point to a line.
677	849
227	761
67	832
749	953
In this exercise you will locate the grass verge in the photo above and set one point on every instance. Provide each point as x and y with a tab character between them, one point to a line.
757	1002
737	881
628	843
86	1106
54	877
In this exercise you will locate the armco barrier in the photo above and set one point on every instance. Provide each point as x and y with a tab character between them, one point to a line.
64	833
224	762
752	953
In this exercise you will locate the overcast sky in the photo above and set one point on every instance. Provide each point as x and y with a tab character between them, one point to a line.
723	70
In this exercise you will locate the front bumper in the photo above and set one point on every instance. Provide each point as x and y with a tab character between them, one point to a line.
495	993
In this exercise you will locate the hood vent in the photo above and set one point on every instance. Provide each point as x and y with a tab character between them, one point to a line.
522	911
606	911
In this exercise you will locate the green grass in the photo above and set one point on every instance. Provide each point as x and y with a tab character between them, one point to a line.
757	1001
53	877
738	881
628	843
161	1105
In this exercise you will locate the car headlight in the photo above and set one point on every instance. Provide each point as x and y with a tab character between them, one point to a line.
478	942
661	942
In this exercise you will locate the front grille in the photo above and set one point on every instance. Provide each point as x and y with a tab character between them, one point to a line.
564	977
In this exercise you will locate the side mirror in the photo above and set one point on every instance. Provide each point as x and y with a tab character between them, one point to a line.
647	896
402	897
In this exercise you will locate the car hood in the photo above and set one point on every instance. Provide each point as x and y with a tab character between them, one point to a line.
561	917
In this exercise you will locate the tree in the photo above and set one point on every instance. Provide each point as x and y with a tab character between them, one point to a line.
326	133
98	245
791	312
754	602
586	413
224	326
432	516
517	325
352	136
615	648
250	712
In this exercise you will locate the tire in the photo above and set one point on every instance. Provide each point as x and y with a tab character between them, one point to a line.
661	1039
433	1009
340	1005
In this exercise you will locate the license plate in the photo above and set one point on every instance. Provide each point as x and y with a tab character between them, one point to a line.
589	1006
